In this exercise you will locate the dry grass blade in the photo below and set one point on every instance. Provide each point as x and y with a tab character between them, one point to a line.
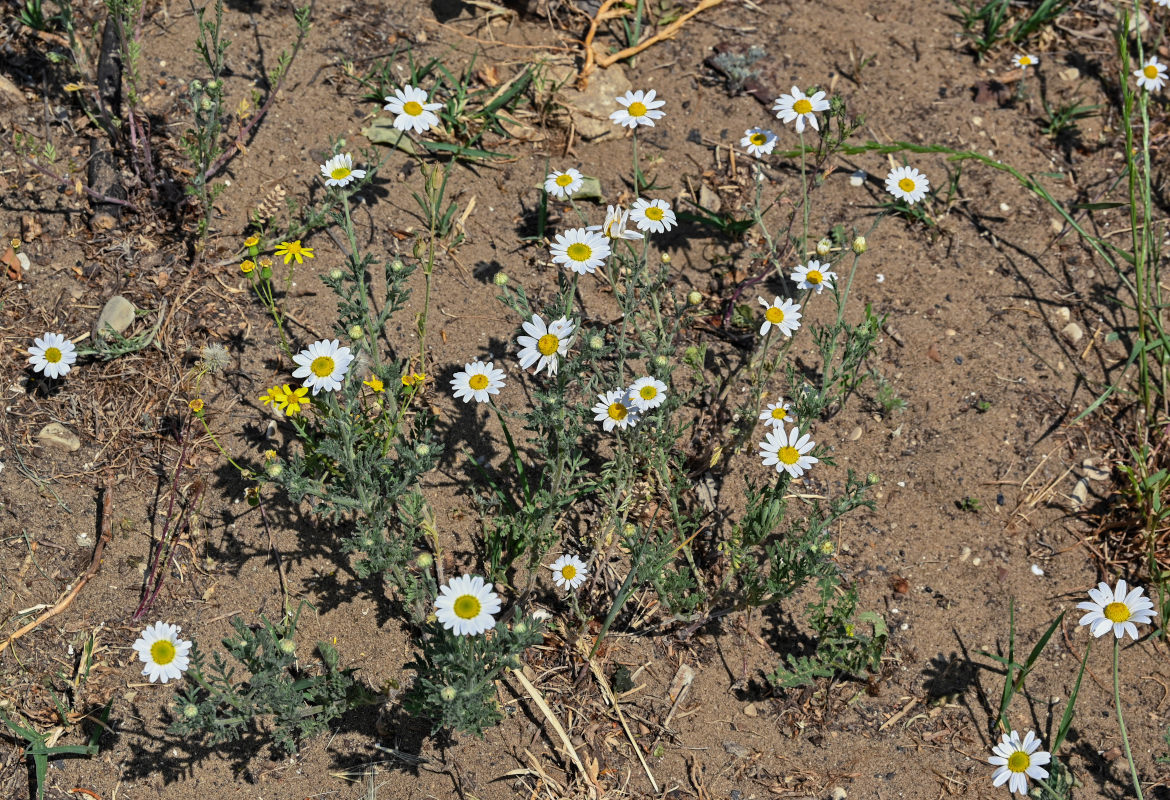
537	698
609	696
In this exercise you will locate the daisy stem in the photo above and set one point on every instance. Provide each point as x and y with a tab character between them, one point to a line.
803	201
359	274
244	473
637	169
580	214
1137	784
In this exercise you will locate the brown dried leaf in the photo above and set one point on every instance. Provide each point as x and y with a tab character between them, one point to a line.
10	260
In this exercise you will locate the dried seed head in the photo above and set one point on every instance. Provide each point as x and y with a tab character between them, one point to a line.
213	358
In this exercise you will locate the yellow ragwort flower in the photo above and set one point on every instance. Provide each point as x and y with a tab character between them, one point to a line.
374	383
295	399
269	455
265	262
247	266
275	397
196	405
291	250
252	241
412	378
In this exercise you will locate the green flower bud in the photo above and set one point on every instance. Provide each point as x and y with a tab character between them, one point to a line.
596	342
190	711
266	273
500	279
823	247
397	266
356	332
521	628
422	450
665	258
660	362
859	245
335	274
447	693
425	560
694	298
288	646
205	104
274	470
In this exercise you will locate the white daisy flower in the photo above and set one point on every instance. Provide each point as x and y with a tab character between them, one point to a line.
652	215
615	225
542	345
813	275
412	109
647	393
323	365
466	604
1023	61
1152	76
564	184
52	354
477	380
580	250
163	652
760	141
1017	761
339	171
639	108
778	414
1113	608
616	410
907	183
784	314
797	106
569	572
788	451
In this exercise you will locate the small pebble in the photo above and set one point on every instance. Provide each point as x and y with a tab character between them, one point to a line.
976	561
965	553
750	710
857	178
838	793
1072	333
1037	571
855	434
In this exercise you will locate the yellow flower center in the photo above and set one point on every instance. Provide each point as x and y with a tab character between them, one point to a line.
655	213
414	108
564	180
467	606
648	392
802	106
637	109
758	139
1025	61
1150	71
247	266
53	355
162	652
906	185
322	366
548	344
788	455
779	413
1019	761
478	382
1117	612
252	241
814	276
340	174
618	412
579	252
568	572
774	315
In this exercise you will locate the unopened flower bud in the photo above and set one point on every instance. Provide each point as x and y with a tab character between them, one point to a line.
266	273
422	450
190	711
596	342
205	104
335	273
397	266
288	646
356	332
823	247
500	279
660	362
274	469
859	245
694	298
447	693
521	628
665	258
425	560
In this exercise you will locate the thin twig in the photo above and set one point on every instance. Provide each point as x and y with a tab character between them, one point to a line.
534	693
605	61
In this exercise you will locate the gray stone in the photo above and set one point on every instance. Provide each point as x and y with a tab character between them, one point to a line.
118	314
57	435
1072	333
592	106
709	200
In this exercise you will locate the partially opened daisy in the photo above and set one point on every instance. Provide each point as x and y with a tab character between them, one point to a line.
783	313
614	226
907	183
1023	61
1152	76
52	354
778	414
647	393
758	141
543	344
1017	761
1115	609
652	215
788	451
580	250
638	108
564	184
797	106
615	409
339	171
323	365
569	572
163	652
466	604
477	381
412	109
814	276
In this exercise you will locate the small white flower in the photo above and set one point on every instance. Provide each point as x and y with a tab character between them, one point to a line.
615	225
580	250
758	141
615	410
542	345
907	183
466	604
52	354
797	106
814	276
639	108
323	365
339	171
652	215
1017	761
788	451
477	380
777	414
647	393
1152	76
564	184
784	314
1114	609
569	572
1023	61
163	652
412	109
